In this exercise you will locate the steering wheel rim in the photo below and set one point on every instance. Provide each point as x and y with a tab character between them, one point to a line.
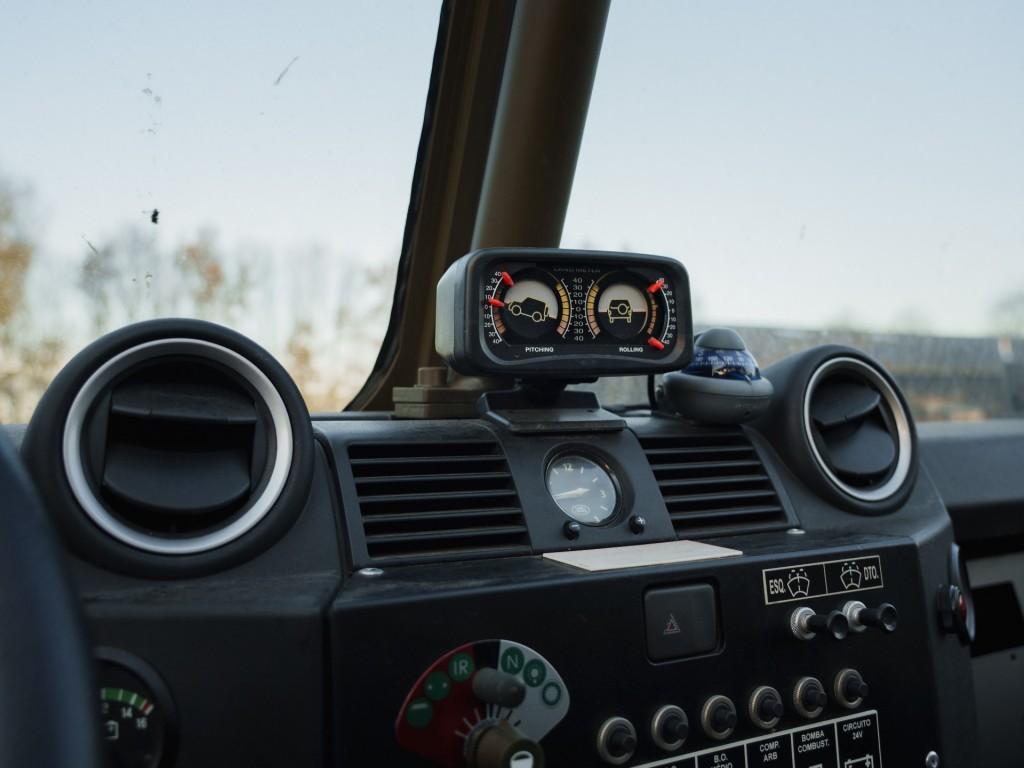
47	697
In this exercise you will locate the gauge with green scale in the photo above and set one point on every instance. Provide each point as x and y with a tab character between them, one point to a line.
137	717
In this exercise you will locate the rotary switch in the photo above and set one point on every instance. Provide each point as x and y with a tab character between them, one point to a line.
502	746
486	704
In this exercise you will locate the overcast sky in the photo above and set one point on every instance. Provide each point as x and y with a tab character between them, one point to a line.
809	162
812	162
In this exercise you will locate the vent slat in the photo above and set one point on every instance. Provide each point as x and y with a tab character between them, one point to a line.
436	501
707	450
428	460
412	498
701	498
442	554
724	514
701	465
450	477
713	483
692	482
425	517
451	533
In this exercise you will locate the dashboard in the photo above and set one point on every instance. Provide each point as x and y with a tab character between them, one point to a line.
562	586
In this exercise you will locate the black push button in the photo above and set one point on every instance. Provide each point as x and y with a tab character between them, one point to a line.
681	621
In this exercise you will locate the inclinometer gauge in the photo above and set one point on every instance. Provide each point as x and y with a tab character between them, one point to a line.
627	307
529	305
548	312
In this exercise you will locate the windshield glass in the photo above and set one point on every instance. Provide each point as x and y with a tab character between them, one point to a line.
245	163
848	173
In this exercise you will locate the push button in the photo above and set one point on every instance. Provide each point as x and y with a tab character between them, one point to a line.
681	621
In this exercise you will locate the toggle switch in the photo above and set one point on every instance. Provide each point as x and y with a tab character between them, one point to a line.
860	617
850	689
669	727
809	697
765	708
616	740
718	717
806	624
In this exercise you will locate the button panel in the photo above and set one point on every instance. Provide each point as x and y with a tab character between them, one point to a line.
847	742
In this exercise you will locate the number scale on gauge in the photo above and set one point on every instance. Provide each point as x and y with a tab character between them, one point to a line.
529	307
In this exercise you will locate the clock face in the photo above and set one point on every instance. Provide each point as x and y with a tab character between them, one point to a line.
583	489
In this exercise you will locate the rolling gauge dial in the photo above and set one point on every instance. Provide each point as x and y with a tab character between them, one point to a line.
486	704
626	307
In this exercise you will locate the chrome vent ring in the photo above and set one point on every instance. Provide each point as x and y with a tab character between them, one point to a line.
257	508
903	437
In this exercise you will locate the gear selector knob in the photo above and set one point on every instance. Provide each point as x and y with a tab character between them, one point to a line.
494	687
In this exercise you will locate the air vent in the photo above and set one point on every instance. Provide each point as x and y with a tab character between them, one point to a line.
713	483
858	429
432	501
177	446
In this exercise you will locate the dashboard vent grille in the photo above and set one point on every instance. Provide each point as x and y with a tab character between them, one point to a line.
433	501
858	429
713	483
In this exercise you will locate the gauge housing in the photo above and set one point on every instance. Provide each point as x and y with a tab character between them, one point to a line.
582	314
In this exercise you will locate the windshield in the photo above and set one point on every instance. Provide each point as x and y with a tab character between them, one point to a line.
848	173
248	164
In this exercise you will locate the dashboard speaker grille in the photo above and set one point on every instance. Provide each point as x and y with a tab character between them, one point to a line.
713	483
433	501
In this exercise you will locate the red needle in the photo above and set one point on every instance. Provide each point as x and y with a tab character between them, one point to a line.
656	285
653	342
506	278
496	303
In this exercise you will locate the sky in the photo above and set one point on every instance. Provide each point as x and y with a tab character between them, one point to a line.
809	163
814	163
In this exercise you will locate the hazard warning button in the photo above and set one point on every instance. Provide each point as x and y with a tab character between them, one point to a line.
681	621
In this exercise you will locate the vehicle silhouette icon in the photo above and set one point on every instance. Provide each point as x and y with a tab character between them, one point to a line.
530	308
620	309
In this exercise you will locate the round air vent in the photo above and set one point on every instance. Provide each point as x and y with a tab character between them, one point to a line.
178	445
858	429
841	424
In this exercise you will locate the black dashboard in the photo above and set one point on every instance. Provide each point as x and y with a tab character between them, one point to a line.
536	585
